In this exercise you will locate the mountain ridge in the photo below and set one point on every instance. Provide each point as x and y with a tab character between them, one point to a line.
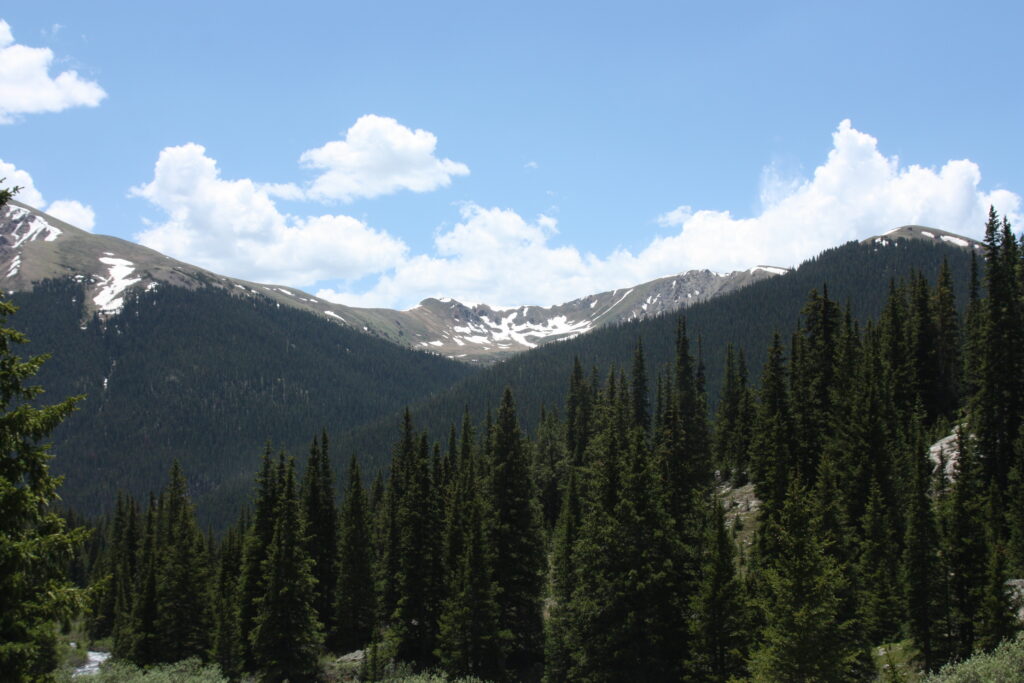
35	246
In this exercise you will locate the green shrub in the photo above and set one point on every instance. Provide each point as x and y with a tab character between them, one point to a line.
1005	664
185	671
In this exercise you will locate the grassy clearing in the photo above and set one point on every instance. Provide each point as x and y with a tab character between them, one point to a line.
897	663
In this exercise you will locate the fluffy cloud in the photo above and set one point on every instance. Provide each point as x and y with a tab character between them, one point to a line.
496	256
857	192
378	156
492	256
75	213
26	86
234	227
67	210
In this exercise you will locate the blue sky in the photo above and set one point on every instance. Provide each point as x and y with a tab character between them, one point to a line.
378	152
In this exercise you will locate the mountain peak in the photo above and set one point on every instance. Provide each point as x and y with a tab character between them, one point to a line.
924	233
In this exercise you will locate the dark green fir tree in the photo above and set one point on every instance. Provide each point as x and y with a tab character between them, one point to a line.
286	639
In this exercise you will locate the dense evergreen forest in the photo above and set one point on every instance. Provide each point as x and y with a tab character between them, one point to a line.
605	544
602	548
207	378
856	275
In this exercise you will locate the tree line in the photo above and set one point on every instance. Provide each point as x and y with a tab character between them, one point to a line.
599	548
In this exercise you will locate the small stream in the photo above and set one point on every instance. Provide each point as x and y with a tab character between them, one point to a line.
92	664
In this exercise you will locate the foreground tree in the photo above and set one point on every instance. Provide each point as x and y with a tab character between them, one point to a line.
35	542
287	638
803	638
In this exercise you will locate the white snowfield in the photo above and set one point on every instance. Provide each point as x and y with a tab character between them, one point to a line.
109	297
33	228
955	240
15	266
774	270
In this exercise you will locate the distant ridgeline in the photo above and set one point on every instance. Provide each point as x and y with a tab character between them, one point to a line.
859	275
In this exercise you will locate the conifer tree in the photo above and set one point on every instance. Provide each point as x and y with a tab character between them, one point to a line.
464	486
142	641
690	465
255	551
965	549
1015	515
322	532
287	637
35	543
516	541
578	411
803	639
877	571
812	380
114	571
630	583
719	623
227	646
184	619
922	336
997	619
125	566
468	641
356	608
557	651
550	463
920	567
640	400
997	411
414	626
949	360
729	446
771	448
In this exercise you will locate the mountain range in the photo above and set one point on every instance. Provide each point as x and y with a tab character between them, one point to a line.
35	246
177	362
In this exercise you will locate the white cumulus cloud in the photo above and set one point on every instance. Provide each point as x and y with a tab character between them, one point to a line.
378	156
498	257
234	227
67	210
75	213
855	193
491	256
26	86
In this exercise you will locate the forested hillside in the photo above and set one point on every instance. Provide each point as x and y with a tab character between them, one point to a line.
858	278
208	378
205	378
600	550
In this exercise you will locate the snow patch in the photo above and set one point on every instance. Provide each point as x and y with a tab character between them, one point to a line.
335	315
960	242
774	270
15	266
928	234
109	298
36	227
